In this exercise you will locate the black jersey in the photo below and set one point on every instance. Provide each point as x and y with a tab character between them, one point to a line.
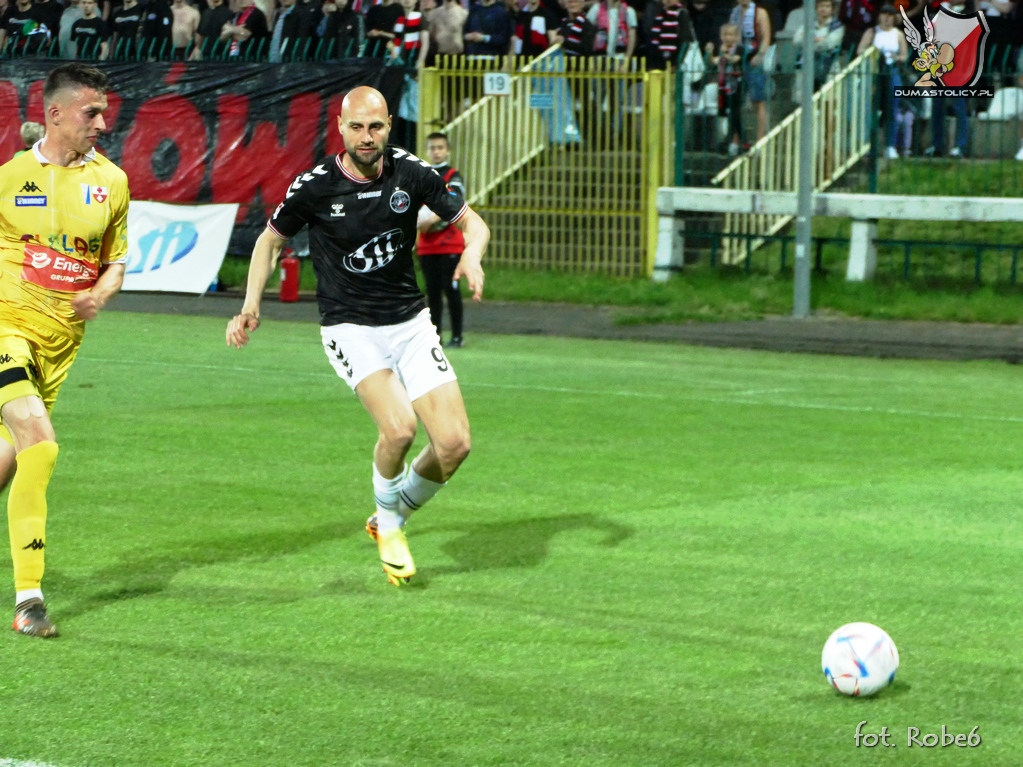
125	22
88	34
361	234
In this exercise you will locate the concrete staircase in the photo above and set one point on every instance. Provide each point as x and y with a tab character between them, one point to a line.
572	208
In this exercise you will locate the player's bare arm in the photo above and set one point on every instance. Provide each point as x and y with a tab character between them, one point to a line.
477	237
88	303
265	255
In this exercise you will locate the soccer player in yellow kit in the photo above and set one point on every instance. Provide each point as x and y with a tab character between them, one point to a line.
63	244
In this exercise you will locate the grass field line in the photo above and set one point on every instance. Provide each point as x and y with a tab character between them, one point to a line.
671	366
707	383
17	763
738	398
868	409
197	366
742	399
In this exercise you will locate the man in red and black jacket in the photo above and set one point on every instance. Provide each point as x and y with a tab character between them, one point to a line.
440	245
576	34
535	27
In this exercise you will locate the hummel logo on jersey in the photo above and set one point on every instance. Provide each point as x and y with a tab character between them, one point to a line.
5	359
341	358
36	545
297	183
337	209
30	186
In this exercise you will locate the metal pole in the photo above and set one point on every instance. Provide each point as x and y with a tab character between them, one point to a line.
801	295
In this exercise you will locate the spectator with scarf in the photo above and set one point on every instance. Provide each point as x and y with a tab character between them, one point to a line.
247	32
616	29
727	60
576	35
535	28
411	40
670	31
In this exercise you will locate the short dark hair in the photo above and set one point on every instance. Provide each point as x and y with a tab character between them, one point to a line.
438	135
73	75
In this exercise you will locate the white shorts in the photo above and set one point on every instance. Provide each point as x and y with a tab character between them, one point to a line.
411	349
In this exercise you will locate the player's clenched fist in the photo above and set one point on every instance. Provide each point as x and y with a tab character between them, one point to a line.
239	327
85	305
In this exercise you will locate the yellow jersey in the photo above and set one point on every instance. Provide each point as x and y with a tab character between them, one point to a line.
59	226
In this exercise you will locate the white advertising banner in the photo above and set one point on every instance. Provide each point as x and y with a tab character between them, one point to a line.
176	248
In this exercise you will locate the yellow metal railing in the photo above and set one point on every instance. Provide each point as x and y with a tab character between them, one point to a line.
565	167
453	102
841	137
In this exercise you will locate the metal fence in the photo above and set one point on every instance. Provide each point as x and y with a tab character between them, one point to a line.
561	155
842	122
917	261
993	125
849	136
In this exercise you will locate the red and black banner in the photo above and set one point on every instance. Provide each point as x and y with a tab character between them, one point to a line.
209	131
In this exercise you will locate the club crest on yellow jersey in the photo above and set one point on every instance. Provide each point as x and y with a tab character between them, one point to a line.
91	194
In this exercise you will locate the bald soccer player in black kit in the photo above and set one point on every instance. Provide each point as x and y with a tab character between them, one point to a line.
361	208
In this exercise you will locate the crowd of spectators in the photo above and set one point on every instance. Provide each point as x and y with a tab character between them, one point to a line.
735	40
618	29
656	30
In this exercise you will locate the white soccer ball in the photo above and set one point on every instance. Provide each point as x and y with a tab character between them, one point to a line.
859	659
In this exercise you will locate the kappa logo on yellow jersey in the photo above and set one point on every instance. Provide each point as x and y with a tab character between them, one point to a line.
92	194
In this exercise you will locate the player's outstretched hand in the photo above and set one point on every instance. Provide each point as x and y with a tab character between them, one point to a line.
239	327
473	273
85	305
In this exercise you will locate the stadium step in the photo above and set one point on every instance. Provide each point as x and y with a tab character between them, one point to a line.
591	158
513	224
568	195
591	202
571	257
561	173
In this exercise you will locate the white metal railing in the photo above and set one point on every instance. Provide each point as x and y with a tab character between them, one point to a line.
841	137
515	132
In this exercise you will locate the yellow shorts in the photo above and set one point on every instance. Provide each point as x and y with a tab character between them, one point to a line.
33	362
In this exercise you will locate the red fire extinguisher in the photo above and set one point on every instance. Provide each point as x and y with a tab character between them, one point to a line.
289	276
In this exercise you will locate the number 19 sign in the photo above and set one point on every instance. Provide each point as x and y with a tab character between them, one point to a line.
497	84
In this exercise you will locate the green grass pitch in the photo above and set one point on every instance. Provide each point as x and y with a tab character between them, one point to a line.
638	564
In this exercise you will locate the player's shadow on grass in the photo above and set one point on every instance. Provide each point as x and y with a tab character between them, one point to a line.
524	542
145	576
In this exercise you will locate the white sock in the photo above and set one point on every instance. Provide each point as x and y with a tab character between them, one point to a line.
416	491
24	596
386	492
